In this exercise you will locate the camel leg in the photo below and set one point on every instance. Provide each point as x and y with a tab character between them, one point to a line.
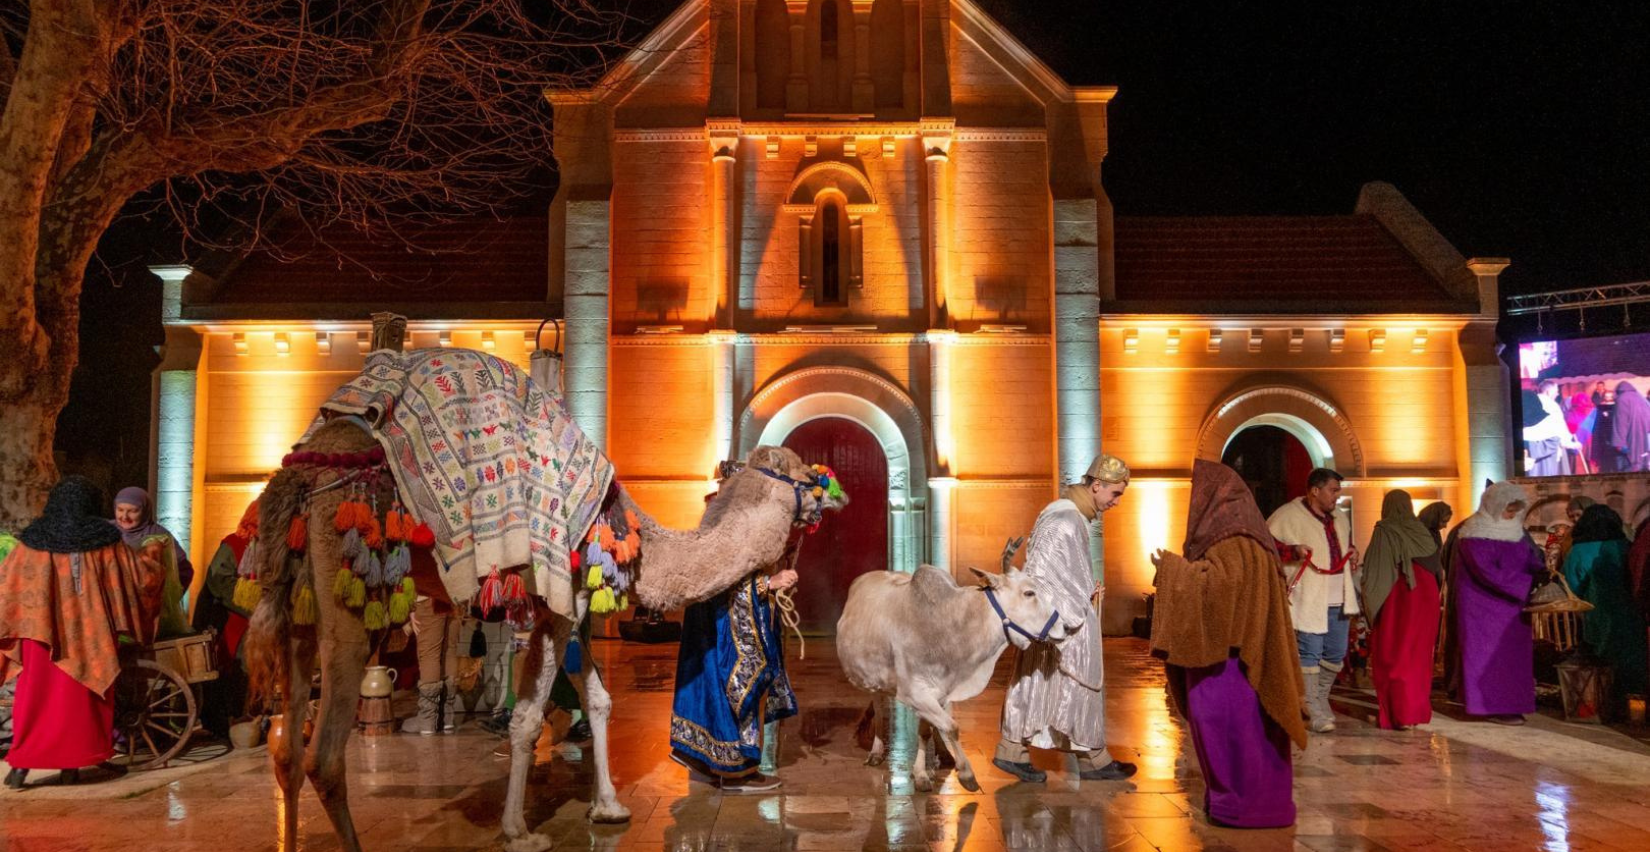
935	712
289	772
526	724
598	704
343	661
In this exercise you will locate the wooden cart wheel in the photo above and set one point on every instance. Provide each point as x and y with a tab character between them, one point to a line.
155	715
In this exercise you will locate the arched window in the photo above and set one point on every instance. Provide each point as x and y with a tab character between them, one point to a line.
828	30
830	256
829	247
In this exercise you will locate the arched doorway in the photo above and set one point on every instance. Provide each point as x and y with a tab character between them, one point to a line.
1273	462
852	541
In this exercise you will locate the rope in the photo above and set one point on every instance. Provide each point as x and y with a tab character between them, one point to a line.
787	607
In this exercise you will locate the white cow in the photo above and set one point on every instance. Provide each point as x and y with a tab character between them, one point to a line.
929	642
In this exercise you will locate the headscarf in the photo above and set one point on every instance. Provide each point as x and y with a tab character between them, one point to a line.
1434	517
1487	521
1580	501
70	522
1399	541
136	536
1598	523
1630	430
1221	507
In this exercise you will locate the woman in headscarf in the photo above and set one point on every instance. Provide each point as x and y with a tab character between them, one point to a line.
1597	571
1630	429
135	517
70	594
1579	417
1400	585
1436	517
1494	566
1221	623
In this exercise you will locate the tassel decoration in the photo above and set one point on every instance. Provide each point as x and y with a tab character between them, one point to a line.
400	608
304	611
247	592
572	660
297	535
594	579
374	617
392	526
341	583
373	570
422	536
344	519
408	589
603	602
373	535
352	545
515	589
247	569
357	594
492	593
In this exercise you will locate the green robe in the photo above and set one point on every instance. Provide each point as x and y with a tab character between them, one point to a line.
1614	629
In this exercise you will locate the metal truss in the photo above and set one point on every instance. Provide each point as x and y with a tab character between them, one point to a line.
1579	299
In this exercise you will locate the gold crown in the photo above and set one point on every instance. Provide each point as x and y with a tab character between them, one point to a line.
1108	469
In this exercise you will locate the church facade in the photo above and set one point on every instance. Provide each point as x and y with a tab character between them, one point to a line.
876	230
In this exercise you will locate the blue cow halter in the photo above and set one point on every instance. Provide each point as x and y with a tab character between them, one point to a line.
799	487
1008	623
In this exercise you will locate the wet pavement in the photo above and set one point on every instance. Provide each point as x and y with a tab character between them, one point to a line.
1452	785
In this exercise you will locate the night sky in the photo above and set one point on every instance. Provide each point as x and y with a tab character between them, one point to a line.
1520	129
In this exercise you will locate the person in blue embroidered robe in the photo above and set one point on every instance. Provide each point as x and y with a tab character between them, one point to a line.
730	682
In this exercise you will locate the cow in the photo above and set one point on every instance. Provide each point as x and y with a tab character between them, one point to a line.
929	642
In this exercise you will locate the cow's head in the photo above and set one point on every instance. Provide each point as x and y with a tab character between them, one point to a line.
1027	607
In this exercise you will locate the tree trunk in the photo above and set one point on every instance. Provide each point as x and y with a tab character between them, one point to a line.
27	429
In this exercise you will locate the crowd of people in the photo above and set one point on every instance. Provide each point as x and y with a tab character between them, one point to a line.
1252	619
1572	428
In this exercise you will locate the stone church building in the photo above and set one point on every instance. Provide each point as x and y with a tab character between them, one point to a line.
876	231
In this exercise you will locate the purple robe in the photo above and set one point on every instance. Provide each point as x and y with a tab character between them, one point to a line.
1493	580
1248	782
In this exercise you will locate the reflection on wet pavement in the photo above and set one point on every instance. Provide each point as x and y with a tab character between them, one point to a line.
1451	786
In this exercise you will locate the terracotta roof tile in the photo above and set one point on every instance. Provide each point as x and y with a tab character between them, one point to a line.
1282	264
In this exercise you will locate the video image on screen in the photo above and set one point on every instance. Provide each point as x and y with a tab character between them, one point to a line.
1584	405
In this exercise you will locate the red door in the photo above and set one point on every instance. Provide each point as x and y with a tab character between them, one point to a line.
852	541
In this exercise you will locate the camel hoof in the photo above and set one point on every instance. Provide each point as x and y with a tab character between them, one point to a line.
922	782
873	759
528	843
609	814
968	782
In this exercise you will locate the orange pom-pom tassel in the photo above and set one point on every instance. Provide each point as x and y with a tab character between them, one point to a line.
345	518
422	536
297	535
392	526
373	536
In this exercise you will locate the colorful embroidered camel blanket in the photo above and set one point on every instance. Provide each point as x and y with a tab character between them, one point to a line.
488	459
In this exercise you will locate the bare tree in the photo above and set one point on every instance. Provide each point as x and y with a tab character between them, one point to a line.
342	109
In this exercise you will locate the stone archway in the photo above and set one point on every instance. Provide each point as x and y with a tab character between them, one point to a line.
873	403
1309	416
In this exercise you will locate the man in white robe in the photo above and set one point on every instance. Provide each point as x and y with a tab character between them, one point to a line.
1320	561
1055	701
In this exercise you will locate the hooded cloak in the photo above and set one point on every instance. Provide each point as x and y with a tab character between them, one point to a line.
1399	541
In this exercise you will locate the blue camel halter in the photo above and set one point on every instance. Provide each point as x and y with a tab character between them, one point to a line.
1009	623
798	488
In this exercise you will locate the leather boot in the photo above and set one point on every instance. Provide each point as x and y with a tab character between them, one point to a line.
450	706
428	720
1315	717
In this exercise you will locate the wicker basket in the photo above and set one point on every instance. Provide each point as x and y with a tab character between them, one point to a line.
1556	596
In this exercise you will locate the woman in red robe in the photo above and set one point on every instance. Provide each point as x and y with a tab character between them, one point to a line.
70	594
1400	585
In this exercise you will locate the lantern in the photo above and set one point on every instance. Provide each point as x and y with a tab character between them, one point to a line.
1585	686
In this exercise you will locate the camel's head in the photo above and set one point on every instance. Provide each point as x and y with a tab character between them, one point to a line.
1027	612
815	486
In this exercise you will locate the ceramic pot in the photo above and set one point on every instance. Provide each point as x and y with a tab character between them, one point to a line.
378	682
244	735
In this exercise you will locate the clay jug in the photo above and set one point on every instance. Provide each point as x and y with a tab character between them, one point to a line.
378	682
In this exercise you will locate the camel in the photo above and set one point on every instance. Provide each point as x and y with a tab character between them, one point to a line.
745	528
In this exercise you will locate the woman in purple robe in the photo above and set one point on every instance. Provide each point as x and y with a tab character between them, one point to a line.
1495	565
